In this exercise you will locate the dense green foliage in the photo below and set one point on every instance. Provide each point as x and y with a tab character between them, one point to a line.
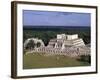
38	44
30	45
85	58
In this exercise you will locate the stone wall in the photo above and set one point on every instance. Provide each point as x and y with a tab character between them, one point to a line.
72	51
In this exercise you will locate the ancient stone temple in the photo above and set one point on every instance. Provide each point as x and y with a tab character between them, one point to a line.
62	41
70	45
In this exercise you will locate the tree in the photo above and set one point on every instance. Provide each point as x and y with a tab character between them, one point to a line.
87	39
38	44
30	45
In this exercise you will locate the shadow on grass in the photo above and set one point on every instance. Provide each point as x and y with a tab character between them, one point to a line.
85	59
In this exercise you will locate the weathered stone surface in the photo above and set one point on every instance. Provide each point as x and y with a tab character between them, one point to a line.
68	45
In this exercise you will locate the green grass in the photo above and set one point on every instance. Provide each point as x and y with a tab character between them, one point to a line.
31	61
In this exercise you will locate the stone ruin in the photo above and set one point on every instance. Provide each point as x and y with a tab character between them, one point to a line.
68	45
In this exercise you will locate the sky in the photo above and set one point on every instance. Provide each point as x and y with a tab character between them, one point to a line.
52	18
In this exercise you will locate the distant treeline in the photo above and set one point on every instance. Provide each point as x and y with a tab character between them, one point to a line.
48	33
54	27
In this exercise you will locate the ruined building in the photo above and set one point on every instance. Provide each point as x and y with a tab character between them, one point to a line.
70	45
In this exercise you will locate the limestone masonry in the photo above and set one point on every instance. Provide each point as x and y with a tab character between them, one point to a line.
69	45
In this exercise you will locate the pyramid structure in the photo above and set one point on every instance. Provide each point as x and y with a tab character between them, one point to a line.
63	41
